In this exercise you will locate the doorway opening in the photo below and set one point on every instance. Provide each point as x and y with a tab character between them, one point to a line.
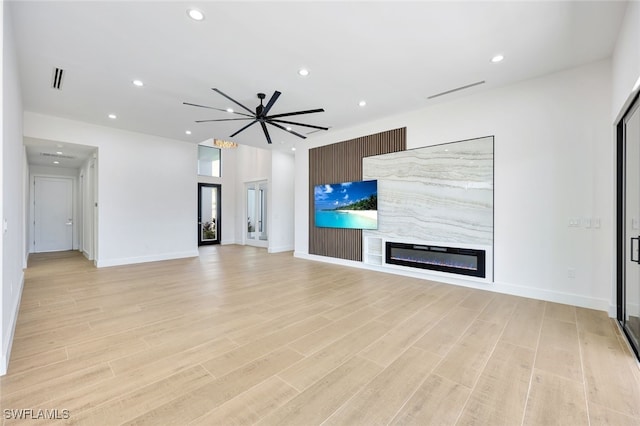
628	225
62	197
209	196
257	226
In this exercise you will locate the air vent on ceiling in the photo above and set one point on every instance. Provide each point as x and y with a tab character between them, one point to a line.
58	74
457	89
48	154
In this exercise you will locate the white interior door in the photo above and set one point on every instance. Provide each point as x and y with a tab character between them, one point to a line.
53	214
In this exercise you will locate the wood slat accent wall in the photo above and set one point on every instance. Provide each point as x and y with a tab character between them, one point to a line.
342	162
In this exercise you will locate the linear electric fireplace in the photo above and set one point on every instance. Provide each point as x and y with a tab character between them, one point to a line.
455	260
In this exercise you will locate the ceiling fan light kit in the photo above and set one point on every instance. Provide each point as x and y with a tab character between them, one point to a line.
261	115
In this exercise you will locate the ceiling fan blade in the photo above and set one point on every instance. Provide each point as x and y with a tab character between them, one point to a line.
300	124
234	101
309	111
224	119
202	106
217	109
288	131
269	104
245	127
266	132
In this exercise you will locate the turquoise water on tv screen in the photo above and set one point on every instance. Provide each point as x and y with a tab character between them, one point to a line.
336	219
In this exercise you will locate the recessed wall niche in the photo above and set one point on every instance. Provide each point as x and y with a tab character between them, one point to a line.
438	195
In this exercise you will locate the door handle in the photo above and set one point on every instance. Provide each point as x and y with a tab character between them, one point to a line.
636	239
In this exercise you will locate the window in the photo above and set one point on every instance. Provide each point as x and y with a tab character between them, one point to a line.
208	161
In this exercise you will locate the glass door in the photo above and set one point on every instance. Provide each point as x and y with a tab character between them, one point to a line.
257	229
629	287
208	213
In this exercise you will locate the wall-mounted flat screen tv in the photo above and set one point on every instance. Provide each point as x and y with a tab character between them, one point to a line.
350	205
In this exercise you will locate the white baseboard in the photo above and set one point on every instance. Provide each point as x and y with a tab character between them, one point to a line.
280	249
498	287
103	263
334	260
6	352
554	296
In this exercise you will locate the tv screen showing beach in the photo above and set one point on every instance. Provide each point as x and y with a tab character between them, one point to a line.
352	205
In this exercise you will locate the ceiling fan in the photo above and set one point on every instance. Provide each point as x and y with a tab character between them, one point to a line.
261	115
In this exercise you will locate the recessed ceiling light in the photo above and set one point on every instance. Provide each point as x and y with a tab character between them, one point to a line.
293	148
362	103
59	152
113	116
138	83
303	72
288	128
195	14
229	109
188	132
497	58
56	162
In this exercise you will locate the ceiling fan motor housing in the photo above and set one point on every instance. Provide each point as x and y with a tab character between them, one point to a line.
260	107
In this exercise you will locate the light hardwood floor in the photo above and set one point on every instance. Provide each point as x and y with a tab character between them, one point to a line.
238	336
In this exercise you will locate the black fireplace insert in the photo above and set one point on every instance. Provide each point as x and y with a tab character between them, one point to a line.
455	260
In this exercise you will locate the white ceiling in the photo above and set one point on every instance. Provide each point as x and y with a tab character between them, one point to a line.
393	54
42	152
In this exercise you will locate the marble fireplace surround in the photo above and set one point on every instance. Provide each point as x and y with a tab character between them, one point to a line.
438	195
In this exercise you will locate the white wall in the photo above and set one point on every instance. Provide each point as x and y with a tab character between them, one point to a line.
36	170
146	190
4	342
301	193
27	210
4	326
553	161
281	213
11	183
626	59
86	207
